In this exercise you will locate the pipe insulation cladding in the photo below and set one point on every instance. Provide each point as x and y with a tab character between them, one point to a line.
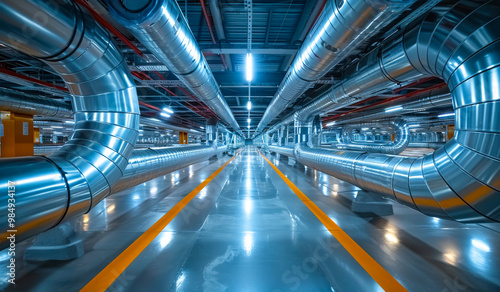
161	27
341	27
459	42
99	159
79	175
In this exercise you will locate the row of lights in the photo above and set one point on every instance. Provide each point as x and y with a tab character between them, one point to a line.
249	77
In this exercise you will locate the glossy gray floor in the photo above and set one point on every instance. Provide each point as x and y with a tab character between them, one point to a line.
247	231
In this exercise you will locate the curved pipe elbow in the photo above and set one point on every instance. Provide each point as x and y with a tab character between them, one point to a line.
105	105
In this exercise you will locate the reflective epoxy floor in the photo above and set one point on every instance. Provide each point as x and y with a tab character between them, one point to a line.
247	231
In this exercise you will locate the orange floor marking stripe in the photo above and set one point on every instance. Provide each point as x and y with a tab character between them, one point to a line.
111	272
374	269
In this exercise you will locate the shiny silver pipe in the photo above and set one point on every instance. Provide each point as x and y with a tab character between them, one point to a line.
217	18
341	27
160	26
421	104
432	145
402	132
456	41
283	150
219	29
20	102
147	164
79	175
46	149
152	122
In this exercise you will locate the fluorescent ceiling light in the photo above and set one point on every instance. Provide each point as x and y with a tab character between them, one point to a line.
69	122
249	120
202	127
165	115
249	105
393	109
330	124
155	119
249	67
57	127
446	115
413	126
168	110
364	129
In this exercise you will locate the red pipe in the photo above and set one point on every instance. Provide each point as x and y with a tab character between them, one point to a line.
187	93
389	100
209	22
110	27
317	16
31	79
149	106
207	19
143	76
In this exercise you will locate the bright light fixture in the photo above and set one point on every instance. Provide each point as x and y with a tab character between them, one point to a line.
414	126
69	122
446	115
57	127
249	67
249	120
249	105
165	115
393	109
330	124
168	110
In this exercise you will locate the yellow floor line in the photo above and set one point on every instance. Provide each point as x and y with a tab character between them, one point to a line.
111	272
374	269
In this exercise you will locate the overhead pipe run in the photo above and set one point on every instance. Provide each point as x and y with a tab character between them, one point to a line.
421	104
402	135
341	27
79	175
20	102
160	26
460	180
99	159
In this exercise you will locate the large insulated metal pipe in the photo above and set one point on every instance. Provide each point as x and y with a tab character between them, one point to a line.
341	27
402	134
20	102
422	104
147	164
71	181
160	26
457	41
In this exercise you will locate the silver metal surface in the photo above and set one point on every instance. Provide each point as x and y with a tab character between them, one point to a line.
20	102
147	164
162	29
457	42
341	27
105	106
421	104
402	134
